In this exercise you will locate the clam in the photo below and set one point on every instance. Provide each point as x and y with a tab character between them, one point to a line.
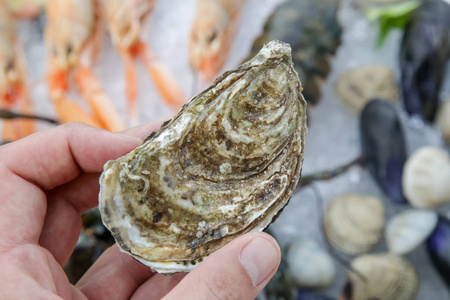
381	276
357	86
443	120
353	223
226	165
438	246
426	177
409	229
383	146
310	266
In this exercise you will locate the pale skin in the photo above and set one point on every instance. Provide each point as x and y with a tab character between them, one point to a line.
49	179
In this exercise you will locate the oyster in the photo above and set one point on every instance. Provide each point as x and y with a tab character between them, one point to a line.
226	165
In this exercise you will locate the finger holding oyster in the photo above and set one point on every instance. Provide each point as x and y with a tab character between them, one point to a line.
226	165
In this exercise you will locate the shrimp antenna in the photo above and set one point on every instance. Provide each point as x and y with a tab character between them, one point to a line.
328	246
330	174
7	114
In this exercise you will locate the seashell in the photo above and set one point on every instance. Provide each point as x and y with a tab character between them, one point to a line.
443	120
357	86
306	295
424	53
409	229
383	146
426	177
310	266
226	165
313	30
438	246
381	276
353	223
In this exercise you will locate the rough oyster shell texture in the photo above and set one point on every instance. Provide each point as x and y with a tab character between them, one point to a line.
226	165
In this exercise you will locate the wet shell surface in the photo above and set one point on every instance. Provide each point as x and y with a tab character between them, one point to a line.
443	121
309	264
426	177
226	165
353	223
407	230
385	276
357	86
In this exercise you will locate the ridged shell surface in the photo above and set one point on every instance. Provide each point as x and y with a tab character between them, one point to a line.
408	229
443	120
385	276
357	86
426	177
227	164
353	223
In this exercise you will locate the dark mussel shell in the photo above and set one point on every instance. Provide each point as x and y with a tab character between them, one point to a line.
312	29
438	246
383	146
424	52
304	295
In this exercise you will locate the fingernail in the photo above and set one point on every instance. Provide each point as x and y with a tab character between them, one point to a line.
259	258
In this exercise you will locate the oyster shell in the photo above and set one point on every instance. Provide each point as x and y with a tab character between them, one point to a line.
226	165
353	223
385	276
357	86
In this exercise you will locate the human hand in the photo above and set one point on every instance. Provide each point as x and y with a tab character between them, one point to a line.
49	179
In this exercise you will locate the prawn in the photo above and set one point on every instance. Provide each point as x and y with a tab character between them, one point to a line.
73	38
13	90
211	35
125	19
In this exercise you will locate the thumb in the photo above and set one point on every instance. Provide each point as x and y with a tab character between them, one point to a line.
239	270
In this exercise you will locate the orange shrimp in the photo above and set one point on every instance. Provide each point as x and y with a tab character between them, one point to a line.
211	35
125	20
13	91
73	38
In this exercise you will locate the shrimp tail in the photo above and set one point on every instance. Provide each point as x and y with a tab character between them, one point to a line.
91	90
164	80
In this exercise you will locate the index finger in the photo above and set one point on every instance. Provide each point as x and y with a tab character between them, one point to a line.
43	161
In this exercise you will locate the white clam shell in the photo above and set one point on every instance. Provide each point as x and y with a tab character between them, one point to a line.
426	177
407	230
386	276
353	223
357	86
443	121
310	265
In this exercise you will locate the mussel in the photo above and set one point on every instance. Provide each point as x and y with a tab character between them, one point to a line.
438	246
383	146
424	52
312	29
